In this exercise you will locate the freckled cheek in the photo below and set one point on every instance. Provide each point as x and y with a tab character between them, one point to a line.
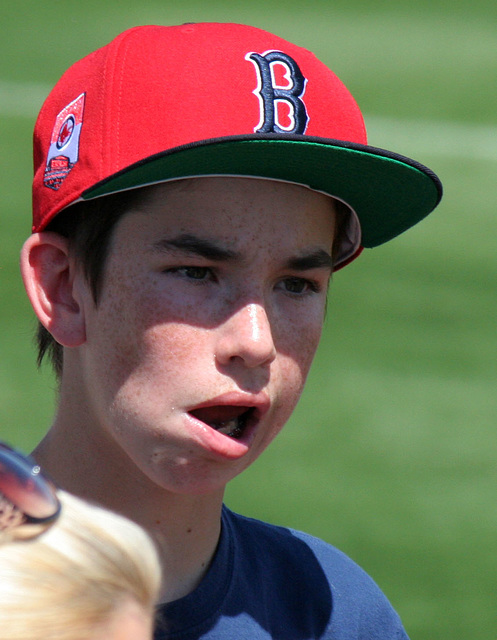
153	367
170	342
294	365
170	347
299	340
296	356
119	329
169	325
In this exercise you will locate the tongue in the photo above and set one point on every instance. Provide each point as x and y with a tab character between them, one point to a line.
216	416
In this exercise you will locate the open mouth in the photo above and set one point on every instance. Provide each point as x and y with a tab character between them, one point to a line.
229	420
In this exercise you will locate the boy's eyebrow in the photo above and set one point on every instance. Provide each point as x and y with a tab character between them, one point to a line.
189	243
318	259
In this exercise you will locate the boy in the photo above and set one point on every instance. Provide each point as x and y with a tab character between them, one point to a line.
195	187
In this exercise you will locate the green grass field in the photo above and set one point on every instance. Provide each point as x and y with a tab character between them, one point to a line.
391	455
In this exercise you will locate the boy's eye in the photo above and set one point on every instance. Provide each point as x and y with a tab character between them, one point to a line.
194	273
298	285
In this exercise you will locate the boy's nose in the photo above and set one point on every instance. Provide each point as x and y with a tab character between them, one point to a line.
247	336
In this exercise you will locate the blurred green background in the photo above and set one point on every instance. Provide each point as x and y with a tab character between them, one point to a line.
391	455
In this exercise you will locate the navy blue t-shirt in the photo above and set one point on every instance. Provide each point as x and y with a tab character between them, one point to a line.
272	583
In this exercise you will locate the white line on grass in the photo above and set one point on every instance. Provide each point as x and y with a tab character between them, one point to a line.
22	99
470	141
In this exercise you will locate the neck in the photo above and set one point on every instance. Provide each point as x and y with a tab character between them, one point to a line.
185	527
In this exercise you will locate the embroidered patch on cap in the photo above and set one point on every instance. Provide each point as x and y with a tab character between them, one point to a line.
280	88
63	152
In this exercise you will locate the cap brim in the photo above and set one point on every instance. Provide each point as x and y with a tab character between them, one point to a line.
389	192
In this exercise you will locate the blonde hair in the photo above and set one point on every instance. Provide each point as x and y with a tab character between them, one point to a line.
67	582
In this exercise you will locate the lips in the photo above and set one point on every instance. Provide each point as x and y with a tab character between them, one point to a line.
227	419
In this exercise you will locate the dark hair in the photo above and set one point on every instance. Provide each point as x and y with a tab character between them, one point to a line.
88	225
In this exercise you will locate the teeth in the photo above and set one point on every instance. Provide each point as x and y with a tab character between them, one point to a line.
232	428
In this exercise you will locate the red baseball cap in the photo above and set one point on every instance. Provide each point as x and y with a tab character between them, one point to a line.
164	103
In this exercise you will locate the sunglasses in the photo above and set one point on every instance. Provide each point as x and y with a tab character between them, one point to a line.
28	499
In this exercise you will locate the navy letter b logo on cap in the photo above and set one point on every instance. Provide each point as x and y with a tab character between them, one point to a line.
280	88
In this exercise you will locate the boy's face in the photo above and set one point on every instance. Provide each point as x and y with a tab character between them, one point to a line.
211	310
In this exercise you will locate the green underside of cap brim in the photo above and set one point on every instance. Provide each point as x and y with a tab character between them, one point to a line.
389	192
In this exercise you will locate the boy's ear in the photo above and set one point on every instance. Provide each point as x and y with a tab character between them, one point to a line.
48	276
